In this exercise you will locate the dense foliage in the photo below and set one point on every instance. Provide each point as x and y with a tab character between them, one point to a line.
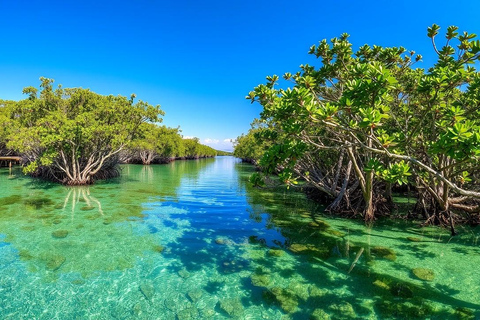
6	123
365	121
154	144
75	136
160	144
251	147
224	153
194	149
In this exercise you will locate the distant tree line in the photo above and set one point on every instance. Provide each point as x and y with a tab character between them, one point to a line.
75	136
224	153
160	144
367	121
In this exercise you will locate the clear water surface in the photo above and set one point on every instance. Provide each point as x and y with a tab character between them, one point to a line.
192	240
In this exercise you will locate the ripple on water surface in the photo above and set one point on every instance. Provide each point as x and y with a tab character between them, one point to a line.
192	240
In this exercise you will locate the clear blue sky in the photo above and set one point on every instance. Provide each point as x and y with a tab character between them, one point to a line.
198	59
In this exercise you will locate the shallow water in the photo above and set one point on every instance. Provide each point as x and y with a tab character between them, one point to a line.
192	240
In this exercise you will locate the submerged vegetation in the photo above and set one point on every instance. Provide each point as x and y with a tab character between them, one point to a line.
368	121
75	136
152	237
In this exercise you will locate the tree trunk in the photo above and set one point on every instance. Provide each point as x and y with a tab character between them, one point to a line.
368	197
388	194
336	203
79	181
366	184
452	225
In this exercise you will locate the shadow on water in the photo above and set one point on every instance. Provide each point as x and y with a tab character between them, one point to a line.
355	262
269	248
80	235
310	268
84	230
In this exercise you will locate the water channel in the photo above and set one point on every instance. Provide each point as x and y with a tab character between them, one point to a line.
193	240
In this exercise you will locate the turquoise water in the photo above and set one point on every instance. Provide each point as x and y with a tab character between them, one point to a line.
192	240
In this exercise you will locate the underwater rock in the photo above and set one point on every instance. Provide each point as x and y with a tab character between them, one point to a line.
414	239
170	304
207	313
401	290
147	290
184	273
310	249
24	255
107	221
344	310
137	310
256	254
222	241
319	314
87	208
58	206
417	309
298	248
232	307
32	268
53	261
260	280
464	314
384	252
317	292
158	248
38	203
299	289
381	285
322	225
13	199
195	294
268	297
45	216
275	252
78	282
60	234
287	300
336	233
424	274
57	221
188	314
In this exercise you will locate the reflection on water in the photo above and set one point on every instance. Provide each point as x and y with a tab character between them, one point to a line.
192	240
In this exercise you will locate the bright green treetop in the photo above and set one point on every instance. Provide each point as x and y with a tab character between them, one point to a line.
73	135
